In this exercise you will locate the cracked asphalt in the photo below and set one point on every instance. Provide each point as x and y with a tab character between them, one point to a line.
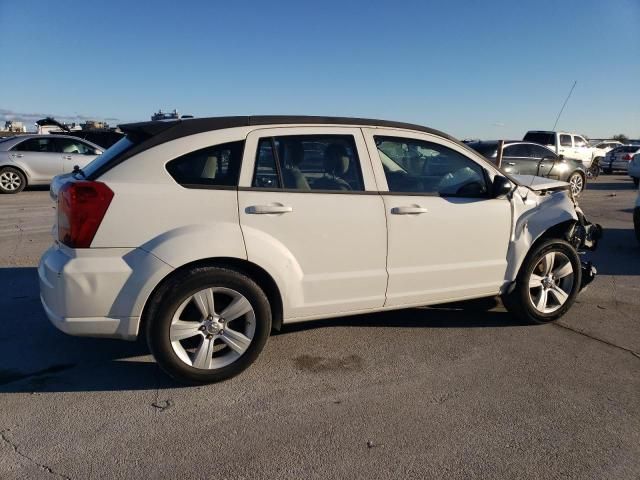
459	391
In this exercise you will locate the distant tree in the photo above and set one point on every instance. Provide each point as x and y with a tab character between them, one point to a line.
621	137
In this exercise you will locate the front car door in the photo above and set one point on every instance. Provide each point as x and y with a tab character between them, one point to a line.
448	239
546	160
310	211
74	152
565	145
581	150
39	157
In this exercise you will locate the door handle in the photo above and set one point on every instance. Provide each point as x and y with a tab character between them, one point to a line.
18	155
68	157
267	209
511	163
410	210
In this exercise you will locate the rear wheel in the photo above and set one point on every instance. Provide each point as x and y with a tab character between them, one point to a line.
636	181
12	180
547	284
208	324
577	182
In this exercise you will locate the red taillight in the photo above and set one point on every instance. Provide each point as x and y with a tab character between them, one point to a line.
627	157
81	208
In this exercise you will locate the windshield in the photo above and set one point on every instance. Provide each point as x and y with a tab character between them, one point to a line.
117	149
543	138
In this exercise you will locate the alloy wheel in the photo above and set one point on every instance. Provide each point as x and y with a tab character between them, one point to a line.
10	181
577	183
212	328
551	282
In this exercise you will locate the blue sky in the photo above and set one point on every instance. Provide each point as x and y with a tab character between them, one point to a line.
471	68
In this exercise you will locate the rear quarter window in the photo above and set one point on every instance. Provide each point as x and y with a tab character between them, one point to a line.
215	166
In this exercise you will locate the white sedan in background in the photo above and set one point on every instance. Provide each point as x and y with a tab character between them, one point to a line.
634	169
36	159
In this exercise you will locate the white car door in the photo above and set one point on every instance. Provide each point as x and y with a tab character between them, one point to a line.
582	151
310	213
565	146
74	152
448	239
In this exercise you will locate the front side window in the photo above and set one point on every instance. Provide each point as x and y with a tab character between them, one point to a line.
565	140
71	146
218	165
43	145
417	166
308	163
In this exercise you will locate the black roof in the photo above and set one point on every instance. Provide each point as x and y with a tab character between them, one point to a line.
173	129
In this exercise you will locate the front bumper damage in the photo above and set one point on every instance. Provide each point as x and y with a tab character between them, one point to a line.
585	235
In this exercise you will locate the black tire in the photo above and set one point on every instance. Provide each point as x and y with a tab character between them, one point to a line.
12	180
636	222
173	294
520	303
576	175
636	181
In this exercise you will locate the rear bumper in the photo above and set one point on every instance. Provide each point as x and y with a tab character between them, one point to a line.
97	292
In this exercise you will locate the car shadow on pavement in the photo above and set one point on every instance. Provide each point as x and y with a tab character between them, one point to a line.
599	185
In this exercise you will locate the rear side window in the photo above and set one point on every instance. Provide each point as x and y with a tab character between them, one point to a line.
308	163
70	145
520	150
214	166
565	140
36	145
543	138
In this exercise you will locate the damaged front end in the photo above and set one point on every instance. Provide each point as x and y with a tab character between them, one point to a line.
584	235
544	207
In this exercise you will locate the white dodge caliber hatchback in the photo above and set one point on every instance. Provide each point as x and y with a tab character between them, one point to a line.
204	234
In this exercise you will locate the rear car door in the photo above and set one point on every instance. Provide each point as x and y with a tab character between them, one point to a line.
516	160
74	152
39	156
448	238
309	208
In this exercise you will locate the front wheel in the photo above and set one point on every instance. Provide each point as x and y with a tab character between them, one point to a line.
577	183
208	324
547	284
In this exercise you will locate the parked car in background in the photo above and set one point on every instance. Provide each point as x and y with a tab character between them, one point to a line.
634	169
274	220
570	145
618	159
102	138
526	158
636	217
36	159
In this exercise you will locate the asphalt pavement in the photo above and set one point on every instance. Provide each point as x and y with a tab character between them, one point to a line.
459	391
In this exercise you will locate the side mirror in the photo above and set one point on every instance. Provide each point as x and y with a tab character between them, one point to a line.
501	186
97	152
561	157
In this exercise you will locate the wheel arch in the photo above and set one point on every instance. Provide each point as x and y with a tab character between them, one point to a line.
264	280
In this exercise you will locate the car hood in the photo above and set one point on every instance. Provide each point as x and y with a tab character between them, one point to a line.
540	183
